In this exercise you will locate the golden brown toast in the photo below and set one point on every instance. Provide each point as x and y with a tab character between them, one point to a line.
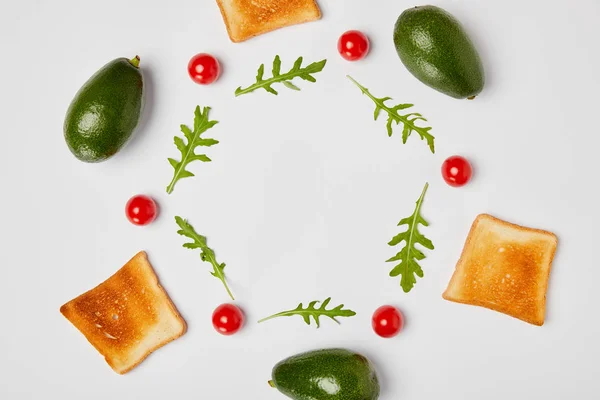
128	316
504	267
248	18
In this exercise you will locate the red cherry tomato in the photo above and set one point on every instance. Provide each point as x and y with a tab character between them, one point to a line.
387	321
204	69
353	45
457	171
227	319
141	210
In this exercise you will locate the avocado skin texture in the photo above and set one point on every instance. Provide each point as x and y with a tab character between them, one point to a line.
329	374
435	48
105	111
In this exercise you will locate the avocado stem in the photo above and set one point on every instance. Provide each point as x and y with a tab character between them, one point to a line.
272	384
135	61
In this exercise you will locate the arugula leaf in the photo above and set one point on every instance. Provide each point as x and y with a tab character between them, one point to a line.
207	254
296	72
316	313
194	139
408	120
409	255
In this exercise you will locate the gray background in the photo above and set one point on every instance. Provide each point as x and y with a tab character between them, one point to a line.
304	192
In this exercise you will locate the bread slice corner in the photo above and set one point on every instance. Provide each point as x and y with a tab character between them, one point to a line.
245	19
504	267
128	316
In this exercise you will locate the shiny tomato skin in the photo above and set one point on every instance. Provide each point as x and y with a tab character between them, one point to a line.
227	319
387	321
353	45
204	69
141	210
457	171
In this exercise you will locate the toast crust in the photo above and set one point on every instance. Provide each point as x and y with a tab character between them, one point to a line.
504	267
245	19
128	316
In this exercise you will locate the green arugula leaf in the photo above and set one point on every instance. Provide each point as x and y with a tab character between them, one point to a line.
408	120
316	313
409	255
296	72
207	254
194	139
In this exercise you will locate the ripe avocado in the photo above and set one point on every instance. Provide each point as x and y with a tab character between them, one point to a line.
435	48
105	111
329	374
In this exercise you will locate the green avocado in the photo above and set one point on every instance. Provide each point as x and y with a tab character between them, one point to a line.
105	111
329	374
435	48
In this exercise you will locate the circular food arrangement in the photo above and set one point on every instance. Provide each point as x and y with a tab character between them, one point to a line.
503	267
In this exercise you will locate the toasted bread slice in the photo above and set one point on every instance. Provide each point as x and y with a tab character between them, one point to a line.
128	316
248	18
504	267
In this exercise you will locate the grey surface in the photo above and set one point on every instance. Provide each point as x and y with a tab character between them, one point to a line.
304	192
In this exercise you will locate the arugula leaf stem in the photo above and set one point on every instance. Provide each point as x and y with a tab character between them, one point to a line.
289	313
316	313
188	150
408	267
281	314
206	253
184	159
413	226
297	71
409	125
268	82
181	167
385	108
219	272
